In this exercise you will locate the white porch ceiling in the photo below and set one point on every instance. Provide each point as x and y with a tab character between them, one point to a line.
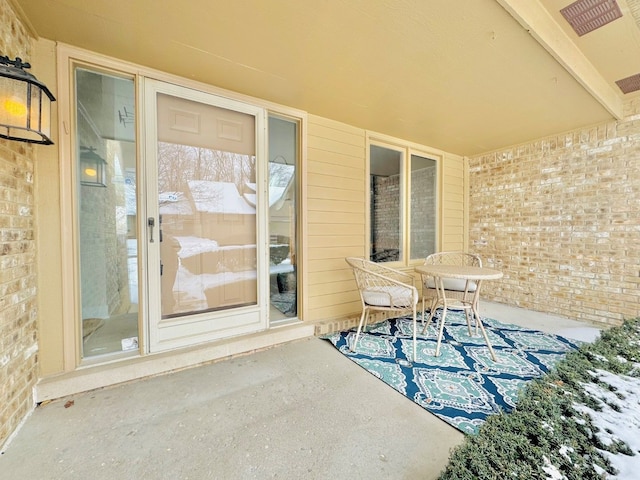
464	76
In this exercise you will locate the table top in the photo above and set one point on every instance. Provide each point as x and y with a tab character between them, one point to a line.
459	271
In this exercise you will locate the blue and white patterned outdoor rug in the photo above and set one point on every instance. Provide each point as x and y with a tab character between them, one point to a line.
462	386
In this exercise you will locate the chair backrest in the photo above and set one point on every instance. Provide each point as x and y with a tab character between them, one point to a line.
382	287
368	272
454	258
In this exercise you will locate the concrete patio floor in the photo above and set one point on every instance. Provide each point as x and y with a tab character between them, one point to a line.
299	410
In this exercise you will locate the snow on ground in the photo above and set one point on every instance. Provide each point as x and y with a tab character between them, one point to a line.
618	420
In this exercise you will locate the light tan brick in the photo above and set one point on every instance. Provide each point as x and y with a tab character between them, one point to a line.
559	216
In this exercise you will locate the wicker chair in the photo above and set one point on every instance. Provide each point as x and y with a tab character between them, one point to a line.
454	288
383	289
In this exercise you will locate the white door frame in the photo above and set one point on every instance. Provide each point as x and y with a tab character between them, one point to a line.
165	334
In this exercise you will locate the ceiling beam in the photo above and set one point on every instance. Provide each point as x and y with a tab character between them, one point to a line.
541	26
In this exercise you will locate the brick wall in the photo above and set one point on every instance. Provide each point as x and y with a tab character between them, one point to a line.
18	314
560	216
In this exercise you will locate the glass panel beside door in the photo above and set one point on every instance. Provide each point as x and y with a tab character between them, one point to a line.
105	150
283	245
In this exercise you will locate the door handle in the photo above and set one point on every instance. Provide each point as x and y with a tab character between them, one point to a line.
151	222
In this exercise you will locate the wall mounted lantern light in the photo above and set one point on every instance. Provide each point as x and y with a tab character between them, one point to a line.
92	168
25	104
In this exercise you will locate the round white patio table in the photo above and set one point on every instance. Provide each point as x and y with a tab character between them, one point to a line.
469	301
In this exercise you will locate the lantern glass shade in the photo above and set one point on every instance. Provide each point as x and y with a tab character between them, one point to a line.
25	107
92	168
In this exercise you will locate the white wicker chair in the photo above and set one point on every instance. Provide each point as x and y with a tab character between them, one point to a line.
454	288
383	289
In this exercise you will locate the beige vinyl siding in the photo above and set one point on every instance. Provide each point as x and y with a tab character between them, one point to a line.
335	216
453	203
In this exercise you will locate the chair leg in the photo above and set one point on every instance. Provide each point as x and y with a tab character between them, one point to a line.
363	322
415	327
432	311
441	331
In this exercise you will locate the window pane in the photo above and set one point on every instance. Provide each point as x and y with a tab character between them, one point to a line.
106	172
386	204
423	207
283	154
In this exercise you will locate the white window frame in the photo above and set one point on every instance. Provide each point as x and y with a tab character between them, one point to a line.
407	149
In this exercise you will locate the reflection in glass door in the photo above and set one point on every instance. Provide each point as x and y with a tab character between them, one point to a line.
105	150
203	227
206	204
283	246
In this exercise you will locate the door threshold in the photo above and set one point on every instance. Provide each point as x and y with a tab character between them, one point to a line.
98	376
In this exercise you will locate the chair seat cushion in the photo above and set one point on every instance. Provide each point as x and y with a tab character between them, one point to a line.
391	296
455	284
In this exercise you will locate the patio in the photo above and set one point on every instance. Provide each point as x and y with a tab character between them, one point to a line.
300	410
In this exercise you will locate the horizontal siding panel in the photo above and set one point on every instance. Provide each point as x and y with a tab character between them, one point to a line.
453	174
314	120
334	241
452	220
334	194
322	301
337	275
452	244
453	203
348	137
450	214
449	179
453	196
324	229
453	232
336	158
332	264
331	288
335	170
324	205
331	145
352	184
339	218
453	186
453	160
337	239
455	210
335	311
334	252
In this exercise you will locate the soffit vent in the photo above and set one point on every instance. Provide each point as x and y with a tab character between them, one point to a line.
587	15
629	84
